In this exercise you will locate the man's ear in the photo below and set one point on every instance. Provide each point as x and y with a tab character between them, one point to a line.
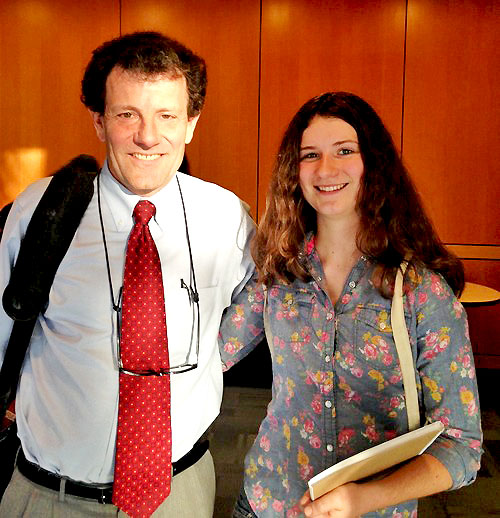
98	120
191	125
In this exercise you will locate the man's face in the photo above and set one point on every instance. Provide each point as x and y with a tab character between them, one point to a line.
145	127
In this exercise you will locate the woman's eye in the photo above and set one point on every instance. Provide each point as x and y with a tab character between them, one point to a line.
345	151
309	156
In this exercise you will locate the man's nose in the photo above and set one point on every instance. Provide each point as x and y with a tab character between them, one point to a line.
146	135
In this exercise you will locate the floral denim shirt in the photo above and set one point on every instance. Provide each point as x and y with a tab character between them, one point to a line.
337	386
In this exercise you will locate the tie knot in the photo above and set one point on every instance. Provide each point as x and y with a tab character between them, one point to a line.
143	212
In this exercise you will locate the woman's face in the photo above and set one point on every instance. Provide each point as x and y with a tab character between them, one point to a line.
330	168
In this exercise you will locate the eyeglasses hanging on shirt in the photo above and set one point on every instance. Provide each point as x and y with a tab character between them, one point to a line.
190	290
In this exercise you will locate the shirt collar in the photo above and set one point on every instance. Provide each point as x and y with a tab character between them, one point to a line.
121	201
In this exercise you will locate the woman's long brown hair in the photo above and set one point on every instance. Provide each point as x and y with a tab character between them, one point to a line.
393	222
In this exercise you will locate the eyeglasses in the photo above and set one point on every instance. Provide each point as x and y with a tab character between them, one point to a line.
194	340
192	293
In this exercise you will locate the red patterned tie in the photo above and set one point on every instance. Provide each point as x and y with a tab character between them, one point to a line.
143	444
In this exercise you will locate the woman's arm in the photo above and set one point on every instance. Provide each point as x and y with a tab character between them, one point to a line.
242	326
422	476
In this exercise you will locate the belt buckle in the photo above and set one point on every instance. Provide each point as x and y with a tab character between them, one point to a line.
104	497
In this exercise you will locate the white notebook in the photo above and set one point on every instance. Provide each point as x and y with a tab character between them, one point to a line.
374	460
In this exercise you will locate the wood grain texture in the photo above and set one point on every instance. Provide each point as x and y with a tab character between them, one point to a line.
226	35
451	116
317	46
44	48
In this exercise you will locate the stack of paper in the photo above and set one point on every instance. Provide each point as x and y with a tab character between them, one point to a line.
374	460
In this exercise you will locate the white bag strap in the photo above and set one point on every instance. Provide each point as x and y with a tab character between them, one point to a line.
400	333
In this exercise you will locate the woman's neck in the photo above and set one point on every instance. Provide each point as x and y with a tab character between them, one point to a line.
337	250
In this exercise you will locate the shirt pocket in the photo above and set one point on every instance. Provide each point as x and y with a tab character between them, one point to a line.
374	346
290	317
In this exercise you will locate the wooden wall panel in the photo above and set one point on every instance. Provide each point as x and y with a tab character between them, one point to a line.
452	115
44	47
314	46
484	321
226	35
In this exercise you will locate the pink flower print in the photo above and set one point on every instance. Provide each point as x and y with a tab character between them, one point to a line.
422	298
387	359
306	472
254	330
257	308
278	342
265	443
475	444
308	425
273	292
396	378
279	315
346	298
445	421
269	464
259	296
371	433
357	372
453	432
345	436
273	422
350	359
296	512
278	505
315	441
237	319
229	348
394	403
258	491
324	337
457	308
466	361
437	287
316	404
370	351
310	245
431	339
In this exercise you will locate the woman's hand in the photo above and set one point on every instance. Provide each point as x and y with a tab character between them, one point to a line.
343	502
423	475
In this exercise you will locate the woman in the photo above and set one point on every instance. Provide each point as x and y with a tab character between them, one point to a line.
342	214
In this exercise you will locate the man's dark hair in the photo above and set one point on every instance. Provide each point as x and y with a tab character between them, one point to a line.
148	54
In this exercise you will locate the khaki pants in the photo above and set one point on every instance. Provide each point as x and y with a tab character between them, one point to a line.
192	495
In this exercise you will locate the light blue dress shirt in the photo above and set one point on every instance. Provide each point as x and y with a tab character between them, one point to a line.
67	400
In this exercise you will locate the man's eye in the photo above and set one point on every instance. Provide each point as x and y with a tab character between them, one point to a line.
125	115
167	116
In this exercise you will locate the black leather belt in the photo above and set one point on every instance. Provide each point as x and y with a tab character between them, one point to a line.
100	492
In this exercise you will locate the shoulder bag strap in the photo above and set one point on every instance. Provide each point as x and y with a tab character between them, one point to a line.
402	340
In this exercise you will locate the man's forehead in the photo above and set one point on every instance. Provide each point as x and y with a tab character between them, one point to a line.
137	75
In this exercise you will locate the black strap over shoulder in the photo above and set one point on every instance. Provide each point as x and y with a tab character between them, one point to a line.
48	236
47	239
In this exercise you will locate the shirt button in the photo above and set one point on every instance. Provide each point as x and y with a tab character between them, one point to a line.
319	278
327	359
352	284
329	316
328	404
382	325
329	447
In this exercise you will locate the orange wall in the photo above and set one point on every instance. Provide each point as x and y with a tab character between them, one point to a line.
430	69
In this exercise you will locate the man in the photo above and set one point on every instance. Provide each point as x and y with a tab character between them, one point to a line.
145	93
